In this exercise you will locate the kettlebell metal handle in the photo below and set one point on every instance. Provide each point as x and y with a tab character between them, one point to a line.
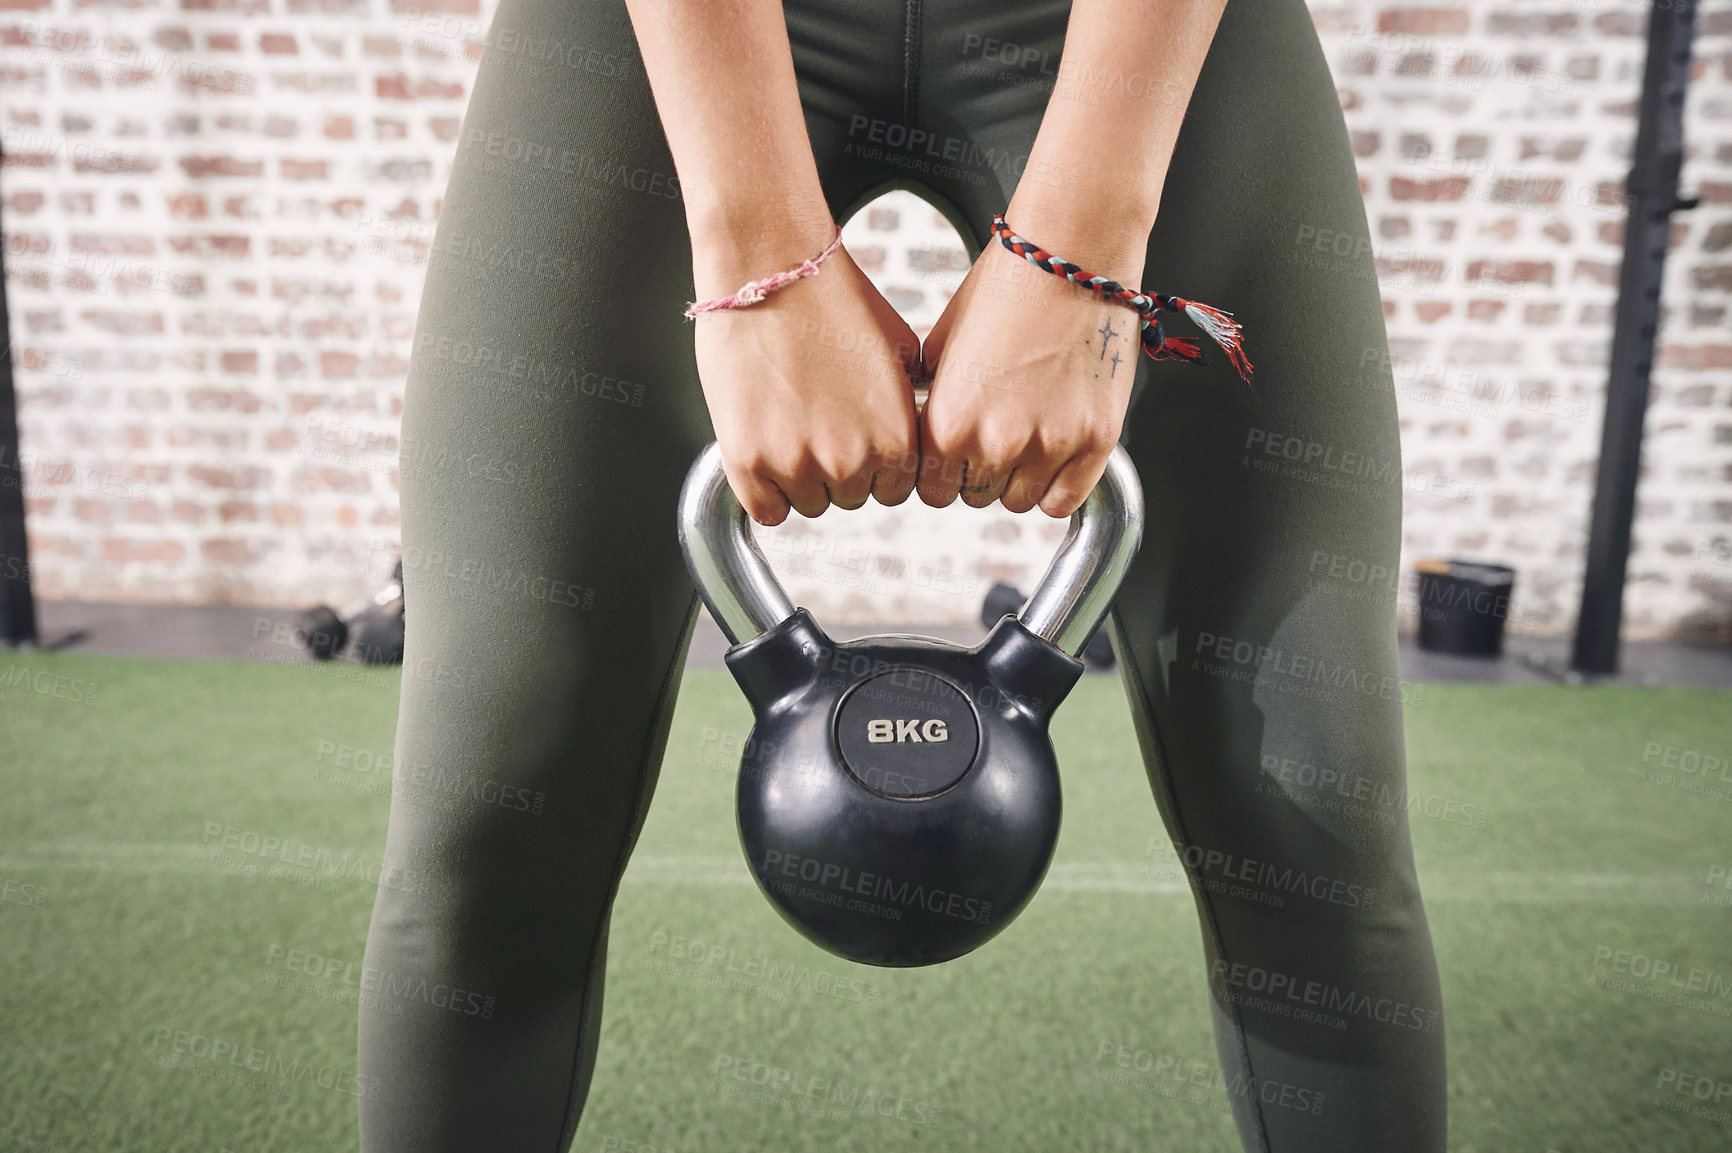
747	600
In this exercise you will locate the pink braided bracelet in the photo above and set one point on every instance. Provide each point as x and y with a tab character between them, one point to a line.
754	291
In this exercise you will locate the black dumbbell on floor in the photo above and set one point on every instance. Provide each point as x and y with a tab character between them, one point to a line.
375	624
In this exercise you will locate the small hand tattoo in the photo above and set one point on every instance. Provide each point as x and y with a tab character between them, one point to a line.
1107	332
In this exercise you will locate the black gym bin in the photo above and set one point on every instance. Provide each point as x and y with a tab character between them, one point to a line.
1463	606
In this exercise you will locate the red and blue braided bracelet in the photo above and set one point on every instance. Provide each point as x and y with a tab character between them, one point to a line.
1220	326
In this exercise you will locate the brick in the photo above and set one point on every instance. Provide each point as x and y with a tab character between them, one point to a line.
1423	21
1509	271
1631	24
227	478
398	86
116	550
1415	64
223	400
112	244
304	169
1443	188
930	260
1530	24
188	206
206	167
26	202
228	552
868	257
1472	145
1595	272
335	365
1707	316
1527	190
1695	357
117	323
330	478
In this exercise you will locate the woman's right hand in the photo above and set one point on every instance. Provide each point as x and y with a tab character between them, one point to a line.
809	390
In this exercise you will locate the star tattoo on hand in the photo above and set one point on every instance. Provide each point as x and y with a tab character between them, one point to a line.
1107	332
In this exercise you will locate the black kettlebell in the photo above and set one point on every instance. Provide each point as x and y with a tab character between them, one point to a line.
898	799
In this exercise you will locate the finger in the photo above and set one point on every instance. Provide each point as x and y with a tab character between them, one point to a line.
940	479
1072	484
1028	485
761	499
852	488
808	502
982	484
806	491
894	478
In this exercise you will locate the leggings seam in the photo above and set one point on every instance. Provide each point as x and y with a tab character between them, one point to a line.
675	668
910	62
1134	674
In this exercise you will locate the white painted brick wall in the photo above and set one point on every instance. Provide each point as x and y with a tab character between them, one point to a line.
215	217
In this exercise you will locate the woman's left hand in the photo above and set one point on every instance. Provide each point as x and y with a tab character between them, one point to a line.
1031	376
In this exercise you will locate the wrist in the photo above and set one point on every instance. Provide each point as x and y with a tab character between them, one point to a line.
1103	233
749	239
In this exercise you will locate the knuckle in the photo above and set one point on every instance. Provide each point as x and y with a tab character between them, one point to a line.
1098	440
999	446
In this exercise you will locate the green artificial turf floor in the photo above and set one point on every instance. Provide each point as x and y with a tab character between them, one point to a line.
1570	842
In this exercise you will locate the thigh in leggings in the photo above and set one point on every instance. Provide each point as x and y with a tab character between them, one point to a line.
1256	629
553	407
551	412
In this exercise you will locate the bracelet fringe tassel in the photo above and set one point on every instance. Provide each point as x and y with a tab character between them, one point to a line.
1219	326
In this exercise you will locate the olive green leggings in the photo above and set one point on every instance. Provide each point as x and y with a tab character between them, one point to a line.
553	408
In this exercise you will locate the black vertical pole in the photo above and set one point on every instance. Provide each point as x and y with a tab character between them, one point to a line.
1653	197
17	607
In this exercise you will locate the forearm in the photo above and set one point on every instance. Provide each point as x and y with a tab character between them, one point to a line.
1092	185
723	79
